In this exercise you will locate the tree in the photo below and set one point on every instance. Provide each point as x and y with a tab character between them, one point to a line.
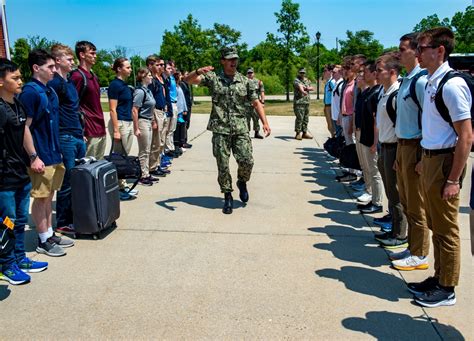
222	36
463	26
20	52
361	42
293	37
430	22
103	67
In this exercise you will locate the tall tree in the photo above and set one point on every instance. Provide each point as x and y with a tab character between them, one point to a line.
21	49
361	42
463	26
431	21
293	37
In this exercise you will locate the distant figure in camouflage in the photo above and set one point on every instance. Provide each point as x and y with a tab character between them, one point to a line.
252	115
302	87
230	93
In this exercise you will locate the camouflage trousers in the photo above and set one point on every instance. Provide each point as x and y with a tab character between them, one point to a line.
302	116
253	116
241	146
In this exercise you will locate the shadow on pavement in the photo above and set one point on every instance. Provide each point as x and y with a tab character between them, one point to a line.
284	138
368	282
4	292
383	324
201	201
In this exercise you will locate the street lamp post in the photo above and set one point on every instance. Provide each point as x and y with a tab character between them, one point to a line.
318	36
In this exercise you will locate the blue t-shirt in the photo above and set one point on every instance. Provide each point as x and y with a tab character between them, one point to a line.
329	87
158	90
173	90
120	91
69	121
45	121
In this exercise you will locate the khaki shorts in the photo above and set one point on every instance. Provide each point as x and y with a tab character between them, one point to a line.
43	184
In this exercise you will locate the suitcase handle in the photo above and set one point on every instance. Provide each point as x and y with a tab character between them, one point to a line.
84	160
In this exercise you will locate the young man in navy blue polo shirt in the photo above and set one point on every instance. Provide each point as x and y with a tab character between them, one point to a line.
15	183
47	170
71	136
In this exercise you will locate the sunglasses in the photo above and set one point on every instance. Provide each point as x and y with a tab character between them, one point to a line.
421	48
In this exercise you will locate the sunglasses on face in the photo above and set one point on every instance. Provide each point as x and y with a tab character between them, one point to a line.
421	48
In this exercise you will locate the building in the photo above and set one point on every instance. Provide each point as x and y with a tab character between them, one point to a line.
4	43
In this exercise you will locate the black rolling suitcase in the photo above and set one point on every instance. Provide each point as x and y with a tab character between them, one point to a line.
95	196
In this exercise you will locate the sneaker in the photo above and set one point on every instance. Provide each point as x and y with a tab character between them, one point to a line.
419	288
145	182
385	219
383	236
399	255
14	275
436	297
158	172
359	182
50	248
385	227
153	178
125	196
394	243
28	265
66	229
347	178
62	241
132	192
411	263
371	209
360	188
358	193
187	145
364	197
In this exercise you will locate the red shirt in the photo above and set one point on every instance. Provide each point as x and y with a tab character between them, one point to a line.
90	103
348	99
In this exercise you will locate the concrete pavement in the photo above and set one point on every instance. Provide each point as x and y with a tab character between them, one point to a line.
298	262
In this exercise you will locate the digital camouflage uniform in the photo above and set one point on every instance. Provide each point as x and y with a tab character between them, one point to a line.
252	114
301	105
229	126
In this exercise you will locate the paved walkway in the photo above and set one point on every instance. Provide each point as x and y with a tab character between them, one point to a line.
298	262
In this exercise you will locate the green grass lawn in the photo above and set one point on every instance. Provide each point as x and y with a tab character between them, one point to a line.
272	108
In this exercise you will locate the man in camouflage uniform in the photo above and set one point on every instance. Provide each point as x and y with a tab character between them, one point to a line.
302	87
230	93
252	115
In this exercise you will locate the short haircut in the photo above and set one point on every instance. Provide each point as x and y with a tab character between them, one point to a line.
412	39
370	65
150	60
440	36
391	61
38	57
83	46
359	56
58	50
118	63
329	67
6	66
142	73
170	62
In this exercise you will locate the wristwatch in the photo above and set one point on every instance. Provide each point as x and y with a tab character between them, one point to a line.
452	182
33	157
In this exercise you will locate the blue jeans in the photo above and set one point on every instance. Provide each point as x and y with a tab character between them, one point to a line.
72	148
15	204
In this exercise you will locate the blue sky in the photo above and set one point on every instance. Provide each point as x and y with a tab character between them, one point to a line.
139	24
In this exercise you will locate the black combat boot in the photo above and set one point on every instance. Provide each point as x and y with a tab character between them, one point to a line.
257	135
228	203
243	194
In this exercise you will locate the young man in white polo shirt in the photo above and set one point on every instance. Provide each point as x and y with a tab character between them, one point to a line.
408	131
445	151
336	98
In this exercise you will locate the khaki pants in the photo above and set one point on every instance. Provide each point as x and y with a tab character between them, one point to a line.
157	139
96	147
442	217
411	196
327	113
169	146
373	179
124	146
347	123
144	143
363	162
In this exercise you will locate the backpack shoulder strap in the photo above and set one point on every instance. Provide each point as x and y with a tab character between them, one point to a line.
414	97
439	102
391	110
84	82
43	107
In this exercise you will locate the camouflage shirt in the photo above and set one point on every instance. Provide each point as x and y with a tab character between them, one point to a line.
298	97
229	100
257	85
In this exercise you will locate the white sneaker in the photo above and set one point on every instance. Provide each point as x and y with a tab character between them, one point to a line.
364	197
411	263
358	193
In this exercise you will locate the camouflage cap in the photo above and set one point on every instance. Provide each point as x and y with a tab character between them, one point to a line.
229	53
250	70
302	70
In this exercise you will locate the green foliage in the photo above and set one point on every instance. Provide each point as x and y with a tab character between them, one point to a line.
361	42
20	52
430	22
463	25
103	67
292	40
272	84
200	91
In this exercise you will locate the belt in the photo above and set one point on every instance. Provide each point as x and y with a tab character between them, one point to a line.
346	114
405	142
434	152
174	102
162	109
389	145
327	105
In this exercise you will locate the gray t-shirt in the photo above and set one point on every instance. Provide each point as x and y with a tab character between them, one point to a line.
144	100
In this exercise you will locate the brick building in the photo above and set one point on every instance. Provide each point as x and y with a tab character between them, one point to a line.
4	43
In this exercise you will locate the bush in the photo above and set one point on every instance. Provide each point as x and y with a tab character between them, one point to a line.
272	84
200	91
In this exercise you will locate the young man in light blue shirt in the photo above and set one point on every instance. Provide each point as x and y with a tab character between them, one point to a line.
329	87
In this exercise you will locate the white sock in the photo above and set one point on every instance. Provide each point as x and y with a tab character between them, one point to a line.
43	236
50	231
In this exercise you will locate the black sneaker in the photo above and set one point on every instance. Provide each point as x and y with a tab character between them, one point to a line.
419	288
385	219
347	178
158	172
145	182
187	145
436	298
50	248
383	236
153	178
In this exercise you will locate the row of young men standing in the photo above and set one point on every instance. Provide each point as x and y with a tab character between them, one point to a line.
403	140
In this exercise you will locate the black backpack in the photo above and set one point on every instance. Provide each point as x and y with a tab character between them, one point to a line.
392	110
84	82
414	97
439	102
